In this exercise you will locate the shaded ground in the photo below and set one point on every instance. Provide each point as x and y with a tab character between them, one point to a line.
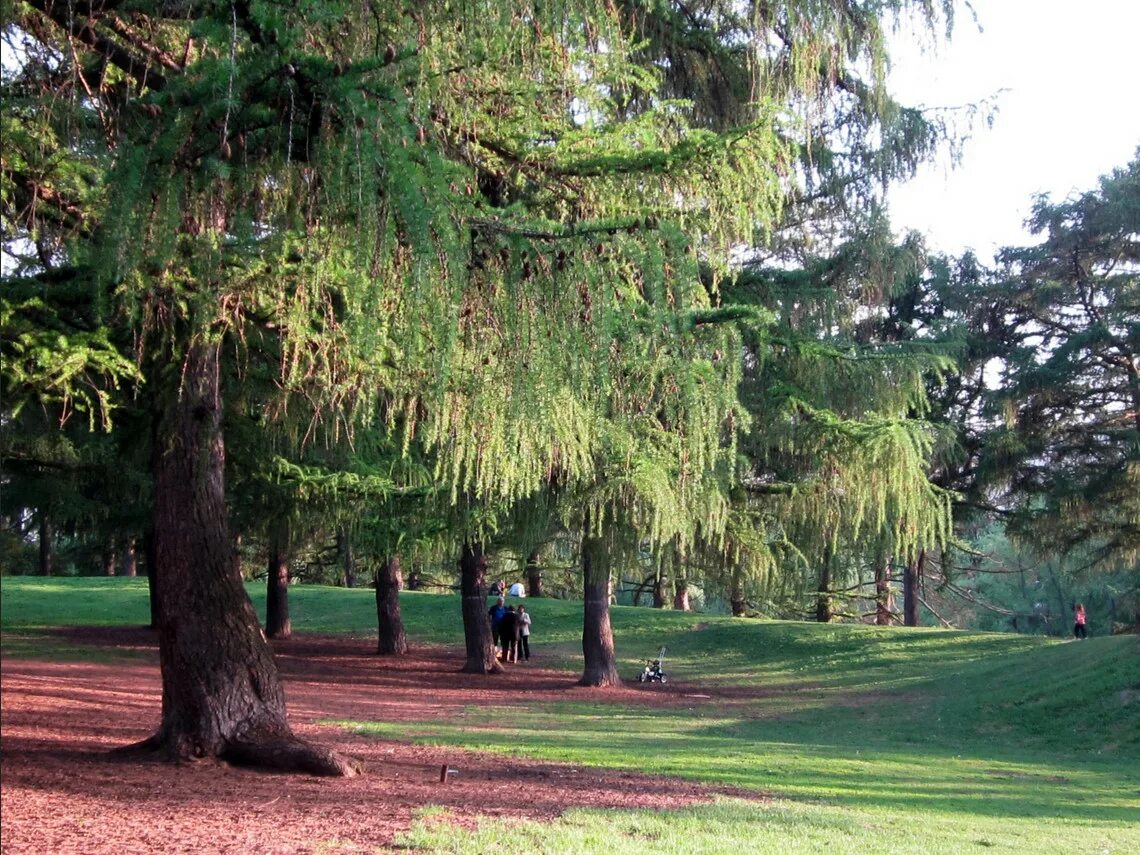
61	791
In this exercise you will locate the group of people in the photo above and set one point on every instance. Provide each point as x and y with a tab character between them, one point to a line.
510	630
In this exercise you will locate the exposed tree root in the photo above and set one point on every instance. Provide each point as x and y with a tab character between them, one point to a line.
280	754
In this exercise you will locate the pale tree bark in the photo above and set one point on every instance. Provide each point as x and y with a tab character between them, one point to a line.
481	658
130	565
110	558
389	621
277	622
597	634
221	695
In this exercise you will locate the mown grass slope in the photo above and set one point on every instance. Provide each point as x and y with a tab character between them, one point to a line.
869	739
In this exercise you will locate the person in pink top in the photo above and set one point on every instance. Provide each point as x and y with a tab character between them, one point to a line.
1080	629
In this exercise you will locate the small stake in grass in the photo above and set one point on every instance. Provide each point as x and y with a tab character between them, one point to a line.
446	773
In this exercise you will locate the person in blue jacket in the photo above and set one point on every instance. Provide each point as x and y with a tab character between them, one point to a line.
495	615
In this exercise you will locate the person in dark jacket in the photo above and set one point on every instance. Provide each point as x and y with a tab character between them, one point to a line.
495	615
509	635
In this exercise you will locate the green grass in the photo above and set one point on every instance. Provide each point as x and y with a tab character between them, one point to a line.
867	739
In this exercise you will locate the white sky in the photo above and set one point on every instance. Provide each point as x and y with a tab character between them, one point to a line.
1070	113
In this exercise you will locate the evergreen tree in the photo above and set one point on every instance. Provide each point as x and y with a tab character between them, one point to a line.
1070	389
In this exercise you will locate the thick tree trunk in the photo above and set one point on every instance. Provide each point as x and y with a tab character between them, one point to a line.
47	545
823	604
681	595
277	622
911	575
883	606
481	657
597	635
389	623
221	696
348	559
130	565
150	554
534	574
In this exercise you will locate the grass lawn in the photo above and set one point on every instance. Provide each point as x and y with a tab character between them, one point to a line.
868	739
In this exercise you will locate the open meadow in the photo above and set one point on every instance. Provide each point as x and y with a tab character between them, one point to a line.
769	737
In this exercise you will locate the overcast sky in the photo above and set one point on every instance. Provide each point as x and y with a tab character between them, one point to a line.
1069	113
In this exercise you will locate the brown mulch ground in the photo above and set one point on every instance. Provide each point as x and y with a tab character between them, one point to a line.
61	791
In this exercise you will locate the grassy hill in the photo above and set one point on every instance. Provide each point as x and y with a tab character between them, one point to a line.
870	738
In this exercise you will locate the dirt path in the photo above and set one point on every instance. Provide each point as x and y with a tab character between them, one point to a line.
61	792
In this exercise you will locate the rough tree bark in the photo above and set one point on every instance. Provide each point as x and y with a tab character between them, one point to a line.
221	696
910	588
600	667
47	545
823	604
389	622
681	595
736	593
152	571
481	657
277	622
883	605
534	574
348	559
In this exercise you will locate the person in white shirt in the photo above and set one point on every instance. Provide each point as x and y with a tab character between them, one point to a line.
517	590
523	619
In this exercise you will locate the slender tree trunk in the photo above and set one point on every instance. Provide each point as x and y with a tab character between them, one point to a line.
47	545
389	622
911	576
277	622
597	634
661	589
823	604
221	696
736	593
348	559
534	574
882	592
481	657
130	565
110	559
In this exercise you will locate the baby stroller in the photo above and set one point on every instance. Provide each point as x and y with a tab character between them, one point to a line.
653	672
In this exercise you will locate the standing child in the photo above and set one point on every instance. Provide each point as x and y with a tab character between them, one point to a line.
524	632
1080	621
